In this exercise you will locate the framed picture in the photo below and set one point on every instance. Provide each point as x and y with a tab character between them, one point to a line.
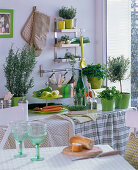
6	23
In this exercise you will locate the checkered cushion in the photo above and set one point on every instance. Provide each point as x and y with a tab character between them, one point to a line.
131	153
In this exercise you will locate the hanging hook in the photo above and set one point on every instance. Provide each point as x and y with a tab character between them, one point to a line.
51	75
65	73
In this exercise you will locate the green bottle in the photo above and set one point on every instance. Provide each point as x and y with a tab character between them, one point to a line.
80	89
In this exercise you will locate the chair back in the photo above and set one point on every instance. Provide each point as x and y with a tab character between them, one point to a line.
6	116
11	114
131	118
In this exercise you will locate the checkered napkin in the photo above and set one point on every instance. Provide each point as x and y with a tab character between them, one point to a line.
83	118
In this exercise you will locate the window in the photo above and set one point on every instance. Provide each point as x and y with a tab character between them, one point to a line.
122	39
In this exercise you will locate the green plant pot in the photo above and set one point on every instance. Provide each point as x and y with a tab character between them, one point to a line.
107	105
122	101
68	23
95	83
16	99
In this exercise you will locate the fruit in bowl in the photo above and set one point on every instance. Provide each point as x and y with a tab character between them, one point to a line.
46	93
55	93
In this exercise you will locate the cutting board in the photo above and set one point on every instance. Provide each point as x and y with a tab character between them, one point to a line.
85	152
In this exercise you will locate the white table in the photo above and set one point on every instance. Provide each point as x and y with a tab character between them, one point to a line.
55	160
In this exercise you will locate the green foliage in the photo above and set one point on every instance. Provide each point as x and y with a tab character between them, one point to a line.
72	61
76	107
64	38
67	13
117	67
19	65
98	71
109	93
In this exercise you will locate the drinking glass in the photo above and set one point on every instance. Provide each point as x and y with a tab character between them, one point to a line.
37	134
19	132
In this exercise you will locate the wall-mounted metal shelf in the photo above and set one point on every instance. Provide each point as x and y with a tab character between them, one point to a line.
74	31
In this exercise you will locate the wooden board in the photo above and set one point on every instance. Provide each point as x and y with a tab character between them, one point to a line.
85	152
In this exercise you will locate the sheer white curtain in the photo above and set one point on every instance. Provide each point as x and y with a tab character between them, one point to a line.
119	33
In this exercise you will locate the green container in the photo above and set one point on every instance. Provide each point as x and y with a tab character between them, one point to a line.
15	100
122	101
65	90
95	83
107	105
68	24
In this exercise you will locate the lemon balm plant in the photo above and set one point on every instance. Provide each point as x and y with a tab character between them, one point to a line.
18	68
107	98
95	74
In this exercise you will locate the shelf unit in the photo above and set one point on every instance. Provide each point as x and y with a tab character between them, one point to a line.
74	31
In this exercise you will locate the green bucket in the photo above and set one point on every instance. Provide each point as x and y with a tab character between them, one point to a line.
68	24
122	101
15	100
95	83
107	105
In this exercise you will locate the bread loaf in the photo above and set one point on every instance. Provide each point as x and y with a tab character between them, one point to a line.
76	147
86	142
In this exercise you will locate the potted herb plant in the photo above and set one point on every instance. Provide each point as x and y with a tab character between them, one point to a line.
66	39
18	67
68	14
117	68
107	98
95	75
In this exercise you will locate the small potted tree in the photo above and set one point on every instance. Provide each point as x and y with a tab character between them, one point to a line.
107	98
117	68
95	75
68	14
18	67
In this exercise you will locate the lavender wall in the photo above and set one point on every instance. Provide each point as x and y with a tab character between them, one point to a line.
22	9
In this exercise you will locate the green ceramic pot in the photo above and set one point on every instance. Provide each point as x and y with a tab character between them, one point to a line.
107	105
95	83
122	101
68	23
16	99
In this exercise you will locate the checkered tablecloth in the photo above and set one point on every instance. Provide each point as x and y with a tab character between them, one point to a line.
109	128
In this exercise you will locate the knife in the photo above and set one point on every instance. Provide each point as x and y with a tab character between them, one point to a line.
100	155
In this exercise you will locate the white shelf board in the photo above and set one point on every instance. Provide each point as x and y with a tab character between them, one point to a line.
68	30
70	45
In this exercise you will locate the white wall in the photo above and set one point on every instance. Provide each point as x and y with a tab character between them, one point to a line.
22	9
